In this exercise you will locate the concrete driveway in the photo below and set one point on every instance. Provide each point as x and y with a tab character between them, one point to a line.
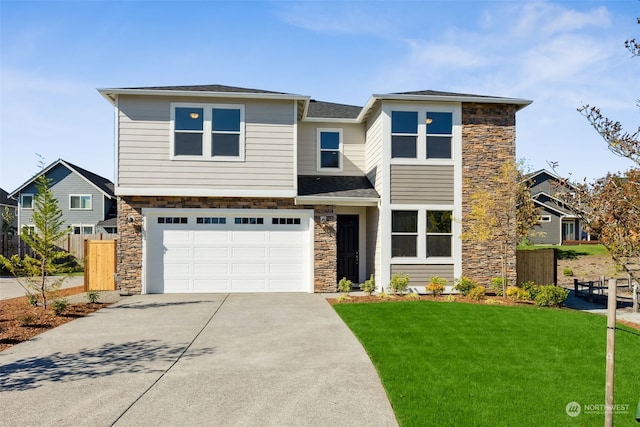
208	360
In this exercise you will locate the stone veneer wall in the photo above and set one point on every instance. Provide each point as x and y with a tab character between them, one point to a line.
488	140
129	251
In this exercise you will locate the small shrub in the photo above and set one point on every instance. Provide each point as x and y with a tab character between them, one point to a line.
567	272
478	293
531	290
450	298
551	296
383	295
26	319
93	296
517	294
32	299
343	297
58	305
436	285
368	286
492	301
464	285
412	296
399	283
496	285
344	285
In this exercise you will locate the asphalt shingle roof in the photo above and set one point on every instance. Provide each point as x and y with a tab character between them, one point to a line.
207	88
5	200
336	186
331	110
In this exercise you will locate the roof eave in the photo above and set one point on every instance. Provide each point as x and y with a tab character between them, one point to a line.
338	201
112	94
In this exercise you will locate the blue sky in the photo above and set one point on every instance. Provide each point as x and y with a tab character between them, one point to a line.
55	54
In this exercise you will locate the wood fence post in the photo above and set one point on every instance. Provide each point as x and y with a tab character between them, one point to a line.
611	346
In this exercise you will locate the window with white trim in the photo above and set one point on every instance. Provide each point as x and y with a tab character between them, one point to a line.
422	134
80	201
207	131
31	229
329	149
404	233
544	218
27	201
82	229
439	234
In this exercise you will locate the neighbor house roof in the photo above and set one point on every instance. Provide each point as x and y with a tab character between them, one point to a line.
102	184
5	200
336	189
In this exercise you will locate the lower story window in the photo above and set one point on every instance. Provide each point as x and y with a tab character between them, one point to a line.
439	234
404	234
82	229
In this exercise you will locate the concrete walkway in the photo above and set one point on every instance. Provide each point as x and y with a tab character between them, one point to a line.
214	360
576	303
10	287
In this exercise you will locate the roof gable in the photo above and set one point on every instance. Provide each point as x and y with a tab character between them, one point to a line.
5	200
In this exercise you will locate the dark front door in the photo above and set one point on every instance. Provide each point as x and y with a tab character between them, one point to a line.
348	247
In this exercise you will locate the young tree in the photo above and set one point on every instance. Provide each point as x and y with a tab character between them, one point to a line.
504	214
47	259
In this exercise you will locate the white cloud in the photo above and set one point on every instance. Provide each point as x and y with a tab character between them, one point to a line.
543	19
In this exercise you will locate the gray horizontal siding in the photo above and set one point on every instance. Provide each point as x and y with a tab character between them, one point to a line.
144	148
547	233
419	274
422	184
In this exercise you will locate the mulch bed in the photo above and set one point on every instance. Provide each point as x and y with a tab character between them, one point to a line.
19	321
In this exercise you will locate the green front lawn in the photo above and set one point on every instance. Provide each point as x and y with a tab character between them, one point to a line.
461	364
570	251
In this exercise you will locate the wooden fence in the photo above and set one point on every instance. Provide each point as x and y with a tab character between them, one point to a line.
100	265
73	243
597	291
538	266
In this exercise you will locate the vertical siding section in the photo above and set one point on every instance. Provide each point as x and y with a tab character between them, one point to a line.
144	148
373	160
353	153
373	240
425	184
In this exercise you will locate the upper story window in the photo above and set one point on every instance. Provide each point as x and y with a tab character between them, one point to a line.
207	131
329	149
27	201
80	202
421	134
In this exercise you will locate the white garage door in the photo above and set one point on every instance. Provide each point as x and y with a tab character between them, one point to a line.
219	250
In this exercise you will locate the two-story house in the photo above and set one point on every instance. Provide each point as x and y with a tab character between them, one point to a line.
226	189
85	199
557	223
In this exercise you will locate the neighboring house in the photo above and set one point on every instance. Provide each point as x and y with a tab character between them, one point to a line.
226	189
86	199
556	224
10	205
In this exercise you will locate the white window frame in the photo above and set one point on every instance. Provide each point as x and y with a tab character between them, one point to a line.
415	234
319	149
81	196
207	125
422	257
82	227
421	149
427	233
32	228
544	218
33	198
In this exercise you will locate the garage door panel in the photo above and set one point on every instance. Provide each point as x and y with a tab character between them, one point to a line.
193	256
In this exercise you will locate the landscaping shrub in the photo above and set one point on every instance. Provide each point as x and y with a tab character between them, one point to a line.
436	285
518	294
93	296
464	285
368	286
344	285
32	299
492	301
478	293
567	272
496	285
531	288
343	298
450	298
399	283
413	296
26	319
551	296
58	305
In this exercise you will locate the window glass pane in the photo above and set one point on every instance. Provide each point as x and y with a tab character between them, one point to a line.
27	202
188	118
85	202
438	245
329	140
329	159
225	144
404	122
403	146
438	221
438	147
404	222
225	120
188	144
439	123
75	202
87	230
403	246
